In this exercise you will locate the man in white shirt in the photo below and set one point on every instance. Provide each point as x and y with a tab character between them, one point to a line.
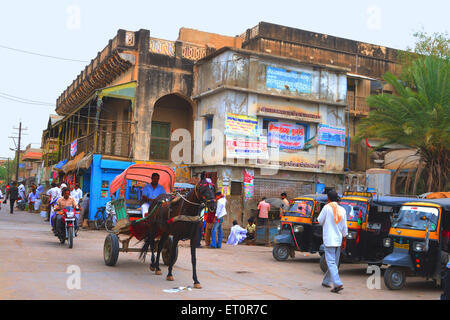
221	211
333	219
22	192
54	193
77	193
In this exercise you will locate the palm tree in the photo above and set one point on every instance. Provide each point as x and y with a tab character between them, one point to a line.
418	116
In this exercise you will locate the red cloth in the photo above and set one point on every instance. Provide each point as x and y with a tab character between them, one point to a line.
209	217
446	233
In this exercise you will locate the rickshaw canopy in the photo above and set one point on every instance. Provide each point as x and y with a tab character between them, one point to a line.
390	201
143	173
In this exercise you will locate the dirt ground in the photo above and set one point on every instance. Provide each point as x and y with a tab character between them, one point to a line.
34	265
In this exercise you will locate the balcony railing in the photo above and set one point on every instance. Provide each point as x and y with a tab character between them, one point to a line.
188	50
358	106
112	143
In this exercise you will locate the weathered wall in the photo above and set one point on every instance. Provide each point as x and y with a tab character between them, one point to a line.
362	58
212	40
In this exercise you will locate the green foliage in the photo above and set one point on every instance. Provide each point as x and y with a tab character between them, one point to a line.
417	115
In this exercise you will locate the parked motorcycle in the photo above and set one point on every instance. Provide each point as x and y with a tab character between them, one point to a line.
66	226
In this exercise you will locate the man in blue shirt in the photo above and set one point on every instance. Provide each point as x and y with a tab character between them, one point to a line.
150	192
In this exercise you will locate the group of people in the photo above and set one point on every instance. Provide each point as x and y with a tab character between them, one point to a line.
16	193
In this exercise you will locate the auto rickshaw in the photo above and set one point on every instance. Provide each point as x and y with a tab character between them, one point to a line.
419	240
368	220
299	229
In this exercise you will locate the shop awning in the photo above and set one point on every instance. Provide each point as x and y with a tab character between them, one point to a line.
72	165
85	163
60	164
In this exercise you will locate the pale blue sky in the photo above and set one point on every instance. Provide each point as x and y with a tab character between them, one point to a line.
49	27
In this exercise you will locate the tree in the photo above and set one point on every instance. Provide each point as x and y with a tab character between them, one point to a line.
417	115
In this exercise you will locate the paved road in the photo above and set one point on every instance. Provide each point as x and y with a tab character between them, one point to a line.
33	265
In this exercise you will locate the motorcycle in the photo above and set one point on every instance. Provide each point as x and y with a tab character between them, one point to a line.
66	226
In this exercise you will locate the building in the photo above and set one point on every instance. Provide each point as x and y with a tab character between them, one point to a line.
126	105
31	162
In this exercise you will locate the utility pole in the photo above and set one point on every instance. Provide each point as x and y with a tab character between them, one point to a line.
18	148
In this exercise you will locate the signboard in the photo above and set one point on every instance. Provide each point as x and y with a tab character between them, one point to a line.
330	136
237	124
247	148
249	188
286	136
73	148
281	79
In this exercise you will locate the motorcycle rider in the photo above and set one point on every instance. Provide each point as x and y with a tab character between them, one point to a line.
65	201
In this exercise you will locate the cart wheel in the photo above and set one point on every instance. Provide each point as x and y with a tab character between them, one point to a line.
394	278
111	250
280	252
166	251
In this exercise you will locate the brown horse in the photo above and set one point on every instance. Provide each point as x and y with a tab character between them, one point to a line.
181	219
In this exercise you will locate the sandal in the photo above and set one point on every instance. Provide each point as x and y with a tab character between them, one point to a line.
337	289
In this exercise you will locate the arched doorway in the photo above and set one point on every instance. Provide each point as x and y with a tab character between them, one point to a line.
171	112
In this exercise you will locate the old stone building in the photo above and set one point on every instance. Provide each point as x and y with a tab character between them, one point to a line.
303	90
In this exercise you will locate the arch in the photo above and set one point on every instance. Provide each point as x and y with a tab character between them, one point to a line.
170	112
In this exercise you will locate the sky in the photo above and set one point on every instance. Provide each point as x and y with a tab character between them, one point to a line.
78	30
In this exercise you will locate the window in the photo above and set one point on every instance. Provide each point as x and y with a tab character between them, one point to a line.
160	141
236	188
265	125
209	126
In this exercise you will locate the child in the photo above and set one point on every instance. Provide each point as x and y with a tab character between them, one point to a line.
237	234
251	229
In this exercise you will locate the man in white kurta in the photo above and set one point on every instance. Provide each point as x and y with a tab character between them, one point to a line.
333	219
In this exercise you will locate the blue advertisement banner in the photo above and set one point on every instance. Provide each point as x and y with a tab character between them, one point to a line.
281	79
286	136
330	136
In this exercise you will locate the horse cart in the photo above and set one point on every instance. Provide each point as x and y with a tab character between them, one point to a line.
126	193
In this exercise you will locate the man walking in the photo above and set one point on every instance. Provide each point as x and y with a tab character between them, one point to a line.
333	218
77	193
221	211
54	194
13	195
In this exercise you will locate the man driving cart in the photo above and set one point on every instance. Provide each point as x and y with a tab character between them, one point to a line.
150	192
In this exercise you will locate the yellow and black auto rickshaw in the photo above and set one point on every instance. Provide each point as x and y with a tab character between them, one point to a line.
419	239
368	220
299	229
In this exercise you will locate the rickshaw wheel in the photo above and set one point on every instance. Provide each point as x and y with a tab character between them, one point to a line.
111	250
280	252
324	265
166	251
394	278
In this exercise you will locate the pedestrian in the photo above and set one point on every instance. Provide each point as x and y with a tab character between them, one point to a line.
13	195
221	211
84	212
77	193
210	217
284	204
237	234
54	194
333	219
251	229
1	197
263	215
32	198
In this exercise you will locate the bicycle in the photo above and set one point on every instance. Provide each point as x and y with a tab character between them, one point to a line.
107	222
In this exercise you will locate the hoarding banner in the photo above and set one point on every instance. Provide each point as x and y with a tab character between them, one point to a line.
286	136
237	124
249	188
281	79
247	148
331	136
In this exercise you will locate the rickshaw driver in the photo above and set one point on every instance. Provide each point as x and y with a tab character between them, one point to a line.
150	192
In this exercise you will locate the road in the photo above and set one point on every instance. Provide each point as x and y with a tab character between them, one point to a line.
33	265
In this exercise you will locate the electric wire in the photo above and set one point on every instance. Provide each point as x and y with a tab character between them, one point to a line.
42	55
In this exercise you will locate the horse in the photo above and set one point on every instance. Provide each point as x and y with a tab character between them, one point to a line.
180	218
